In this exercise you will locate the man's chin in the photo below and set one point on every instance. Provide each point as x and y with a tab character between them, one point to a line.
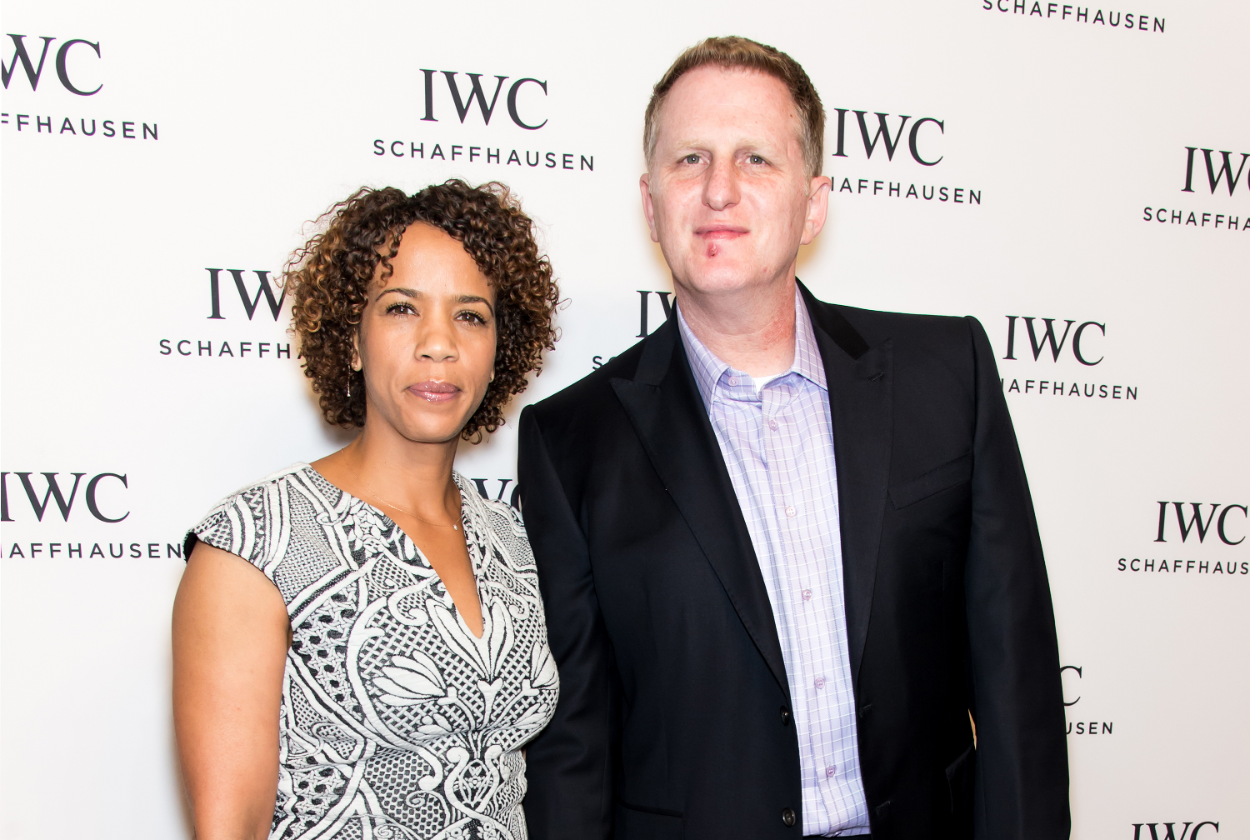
720	277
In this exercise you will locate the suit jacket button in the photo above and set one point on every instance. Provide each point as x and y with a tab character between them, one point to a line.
787	816
785	716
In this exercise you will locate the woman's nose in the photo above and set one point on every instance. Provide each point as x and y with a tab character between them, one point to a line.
436	339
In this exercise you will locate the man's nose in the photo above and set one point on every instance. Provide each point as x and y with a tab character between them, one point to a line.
720	189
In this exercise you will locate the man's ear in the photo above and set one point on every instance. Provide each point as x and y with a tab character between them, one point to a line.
817	208
648	207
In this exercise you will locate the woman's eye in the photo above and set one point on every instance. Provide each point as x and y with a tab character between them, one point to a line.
472	317
401	309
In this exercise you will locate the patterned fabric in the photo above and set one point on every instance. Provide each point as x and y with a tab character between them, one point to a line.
776	436
396	721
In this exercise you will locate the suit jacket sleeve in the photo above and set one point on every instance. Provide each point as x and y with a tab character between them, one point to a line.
1022	764
571	766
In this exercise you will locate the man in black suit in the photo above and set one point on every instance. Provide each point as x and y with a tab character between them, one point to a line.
786	547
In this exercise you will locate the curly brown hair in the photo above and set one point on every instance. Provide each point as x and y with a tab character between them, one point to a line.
329	278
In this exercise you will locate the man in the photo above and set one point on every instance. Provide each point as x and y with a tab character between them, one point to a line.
786	548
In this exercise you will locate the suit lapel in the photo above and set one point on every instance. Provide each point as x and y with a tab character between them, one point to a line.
664	406
861	387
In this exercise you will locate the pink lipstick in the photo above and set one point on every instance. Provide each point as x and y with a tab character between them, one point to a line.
433	391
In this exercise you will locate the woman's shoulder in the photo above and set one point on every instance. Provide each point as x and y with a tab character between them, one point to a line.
506	526
246	521
498	512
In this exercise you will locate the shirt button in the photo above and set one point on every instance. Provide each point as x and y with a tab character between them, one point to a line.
772	424
733	380
807	594
788	817
830	772
790	511
820	682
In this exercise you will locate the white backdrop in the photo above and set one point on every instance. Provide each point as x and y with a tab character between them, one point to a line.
233	123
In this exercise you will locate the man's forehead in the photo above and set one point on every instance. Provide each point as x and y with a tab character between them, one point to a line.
754	103
731	80
743	142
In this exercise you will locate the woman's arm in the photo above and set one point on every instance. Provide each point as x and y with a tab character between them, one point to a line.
230	631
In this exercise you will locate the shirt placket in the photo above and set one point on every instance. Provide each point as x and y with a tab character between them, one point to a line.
799	584
840	742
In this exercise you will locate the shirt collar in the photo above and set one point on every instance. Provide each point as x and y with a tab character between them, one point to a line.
711	373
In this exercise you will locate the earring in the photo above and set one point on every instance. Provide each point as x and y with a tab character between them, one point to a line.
352	368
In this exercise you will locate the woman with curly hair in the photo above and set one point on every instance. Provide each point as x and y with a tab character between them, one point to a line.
359	643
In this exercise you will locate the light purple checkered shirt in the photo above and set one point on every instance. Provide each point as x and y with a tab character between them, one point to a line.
778	445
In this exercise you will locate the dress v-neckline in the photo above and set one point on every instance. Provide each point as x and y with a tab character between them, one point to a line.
465	514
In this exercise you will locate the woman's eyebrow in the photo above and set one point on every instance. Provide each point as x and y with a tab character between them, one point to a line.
412	293
416	293
475	299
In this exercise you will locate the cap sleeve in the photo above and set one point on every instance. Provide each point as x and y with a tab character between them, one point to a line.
239	524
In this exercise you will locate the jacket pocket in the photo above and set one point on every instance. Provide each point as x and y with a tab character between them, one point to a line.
960	778
936	480
638	822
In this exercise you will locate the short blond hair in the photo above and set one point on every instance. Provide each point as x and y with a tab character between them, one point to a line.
733	52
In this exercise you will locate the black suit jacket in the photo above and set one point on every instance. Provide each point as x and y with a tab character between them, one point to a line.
674	713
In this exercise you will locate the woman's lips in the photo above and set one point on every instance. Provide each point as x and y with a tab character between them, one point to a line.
432	391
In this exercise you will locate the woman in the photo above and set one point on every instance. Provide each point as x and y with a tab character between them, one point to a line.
359	644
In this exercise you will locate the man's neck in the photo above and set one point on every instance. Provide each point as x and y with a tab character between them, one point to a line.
752	329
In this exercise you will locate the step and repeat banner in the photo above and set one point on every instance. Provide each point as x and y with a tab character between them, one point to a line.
1077	177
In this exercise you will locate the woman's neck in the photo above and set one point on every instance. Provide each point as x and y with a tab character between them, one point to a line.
383	466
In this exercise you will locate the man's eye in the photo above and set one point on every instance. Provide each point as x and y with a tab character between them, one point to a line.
756	159
691	158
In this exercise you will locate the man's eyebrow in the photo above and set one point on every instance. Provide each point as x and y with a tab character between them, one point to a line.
747	143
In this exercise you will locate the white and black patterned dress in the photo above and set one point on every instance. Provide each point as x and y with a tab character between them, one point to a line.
396	721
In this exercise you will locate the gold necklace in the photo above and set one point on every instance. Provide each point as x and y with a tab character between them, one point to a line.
373	493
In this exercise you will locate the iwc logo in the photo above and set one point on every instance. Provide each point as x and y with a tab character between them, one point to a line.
1065	351
1218	531
63	491
76	63
251	292
59	502
1072	13
1073	690
1208	173
1168	830
474	103
918	140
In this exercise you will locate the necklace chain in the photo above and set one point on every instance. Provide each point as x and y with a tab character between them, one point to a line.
393	506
